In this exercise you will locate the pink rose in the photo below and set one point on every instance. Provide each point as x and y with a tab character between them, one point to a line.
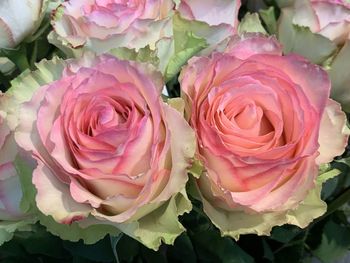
329	18
257	116
105	142
101	25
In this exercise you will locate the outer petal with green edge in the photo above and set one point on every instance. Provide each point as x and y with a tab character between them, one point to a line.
74	232
71	232
161	225
236	223
55	199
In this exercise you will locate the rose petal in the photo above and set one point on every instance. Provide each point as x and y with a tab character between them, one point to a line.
53	197
213	12
250	44
334	134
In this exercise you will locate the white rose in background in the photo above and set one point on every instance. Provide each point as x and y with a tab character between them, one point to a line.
18	19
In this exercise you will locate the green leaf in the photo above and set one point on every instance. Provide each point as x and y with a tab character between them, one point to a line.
100	251
340	77
39	241
268	254
329	187
251	24
127	249
301	40
211	247
284	234
269	18
151	256
290	254
335	242
182	251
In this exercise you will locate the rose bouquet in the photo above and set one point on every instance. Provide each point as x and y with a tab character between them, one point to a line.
174	131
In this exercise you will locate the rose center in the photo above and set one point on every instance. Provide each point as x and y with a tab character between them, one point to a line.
248	117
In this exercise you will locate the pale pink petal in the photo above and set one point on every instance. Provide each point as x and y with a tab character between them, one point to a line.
250	44
53	197
334	134
337	32
329	13
213	12
312	79
305	15
181	153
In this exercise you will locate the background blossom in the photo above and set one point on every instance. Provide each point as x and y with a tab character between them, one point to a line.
18	19
104	24
329	18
